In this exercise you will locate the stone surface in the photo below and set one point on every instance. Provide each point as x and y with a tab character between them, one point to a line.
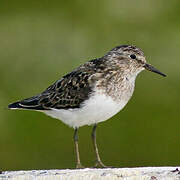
141	173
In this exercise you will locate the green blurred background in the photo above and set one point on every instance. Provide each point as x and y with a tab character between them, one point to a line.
42	40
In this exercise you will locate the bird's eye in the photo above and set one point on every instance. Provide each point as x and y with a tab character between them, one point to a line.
132	56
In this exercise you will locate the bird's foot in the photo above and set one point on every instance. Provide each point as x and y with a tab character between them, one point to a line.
79	166
99	164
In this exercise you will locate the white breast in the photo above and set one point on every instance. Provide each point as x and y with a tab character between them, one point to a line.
98	108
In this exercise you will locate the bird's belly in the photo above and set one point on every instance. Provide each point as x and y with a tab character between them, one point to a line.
96	109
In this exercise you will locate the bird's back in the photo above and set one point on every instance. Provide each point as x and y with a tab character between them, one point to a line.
68	92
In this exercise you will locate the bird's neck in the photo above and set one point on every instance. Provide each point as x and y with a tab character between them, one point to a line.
119	86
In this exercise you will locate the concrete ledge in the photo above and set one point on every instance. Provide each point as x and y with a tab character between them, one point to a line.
142	173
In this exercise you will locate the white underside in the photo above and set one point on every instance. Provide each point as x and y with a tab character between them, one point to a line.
94	110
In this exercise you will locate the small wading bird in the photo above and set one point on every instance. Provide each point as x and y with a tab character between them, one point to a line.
92	93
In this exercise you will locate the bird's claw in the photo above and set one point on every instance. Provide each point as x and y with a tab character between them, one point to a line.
79	166
99	164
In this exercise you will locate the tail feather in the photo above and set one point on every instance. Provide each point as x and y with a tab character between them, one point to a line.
14	105
29	103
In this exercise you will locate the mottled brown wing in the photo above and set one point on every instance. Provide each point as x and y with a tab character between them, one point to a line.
69	92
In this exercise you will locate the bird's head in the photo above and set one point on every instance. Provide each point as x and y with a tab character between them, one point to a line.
131	59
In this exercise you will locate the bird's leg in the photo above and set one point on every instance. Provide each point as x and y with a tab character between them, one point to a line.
78	162
98	160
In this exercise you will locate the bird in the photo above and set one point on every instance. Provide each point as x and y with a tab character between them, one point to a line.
92	93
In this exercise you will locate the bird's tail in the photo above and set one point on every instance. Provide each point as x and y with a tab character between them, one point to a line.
29	103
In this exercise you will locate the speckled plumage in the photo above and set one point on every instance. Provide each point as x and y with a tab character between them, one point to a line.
76	86
92	93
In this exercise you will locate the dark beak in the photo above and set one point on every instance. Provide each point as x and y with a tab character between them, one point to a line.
152	69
